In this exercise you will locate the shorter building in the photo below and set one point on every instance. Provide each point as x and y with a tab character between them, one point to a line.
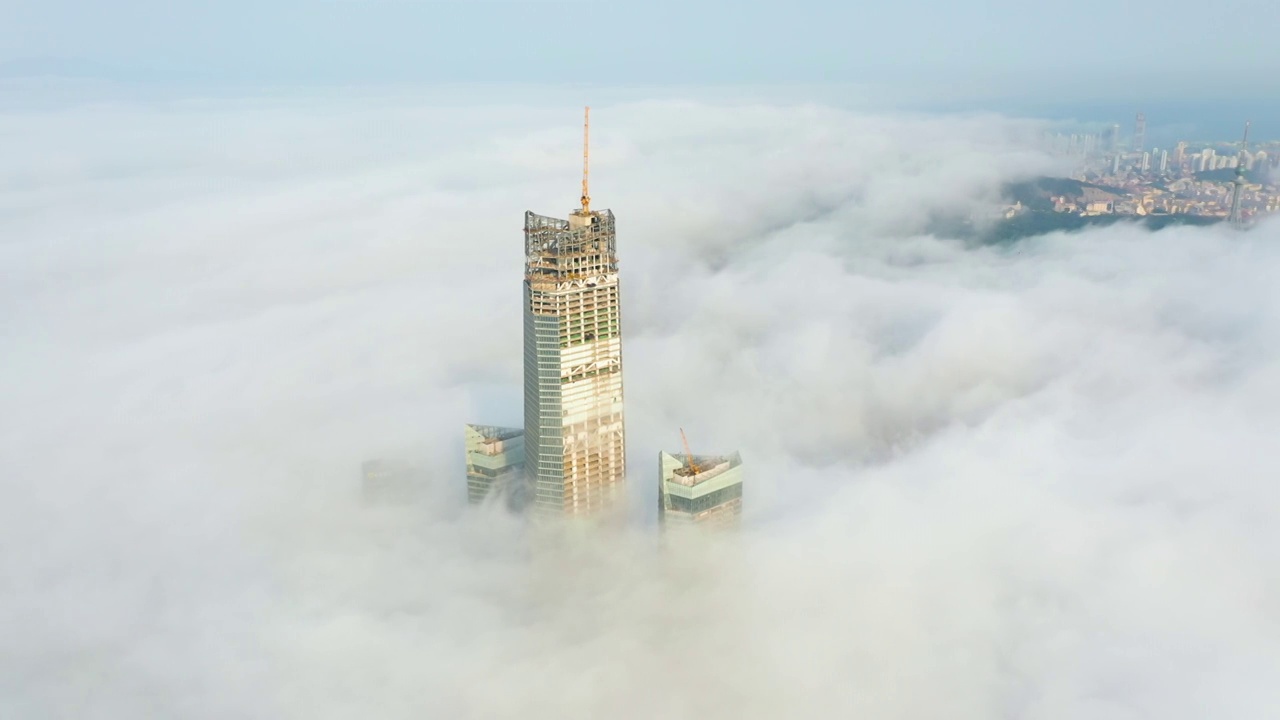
390	482
495	462
706	491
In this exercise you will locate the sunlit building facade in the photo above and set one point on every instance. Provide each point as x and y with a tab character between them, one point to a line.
575	448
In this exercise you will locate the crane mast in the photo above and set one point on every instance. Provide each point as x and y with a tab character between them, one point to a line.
690	465
586	157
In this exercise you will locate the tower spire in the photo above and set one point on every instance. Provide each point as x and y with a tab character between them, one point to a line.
586	157
1236	215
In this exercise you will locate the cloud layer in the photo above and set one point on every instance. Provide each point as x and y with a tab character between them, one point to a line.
1027	481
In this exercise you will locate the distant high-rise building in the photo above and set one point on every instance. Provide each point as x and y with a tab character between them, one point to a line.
699	489
495	462
1139	132
391	481
1146	162
1163	165
1206	160
1113	142
1180	154
1115	164
574	436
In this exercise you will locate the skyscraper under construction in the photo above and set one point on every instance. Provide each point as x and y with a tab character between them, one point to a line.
574	440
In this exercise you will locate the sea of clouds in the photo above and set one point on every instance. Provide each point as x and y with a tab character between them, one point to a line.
1031	481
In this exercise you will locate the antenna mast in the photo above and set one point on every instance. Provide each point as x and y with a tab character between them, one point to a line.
1236	215
586	157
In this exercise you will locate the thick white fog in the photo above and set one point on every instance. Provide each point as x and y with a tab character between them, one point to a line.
1033	481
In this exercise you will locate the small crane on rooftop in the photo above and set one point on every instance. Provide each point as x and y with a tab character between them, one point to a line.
691	467
586	156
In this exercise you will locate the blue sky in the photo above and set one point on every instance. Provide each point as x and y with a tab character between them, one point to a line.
1088	47
1008	55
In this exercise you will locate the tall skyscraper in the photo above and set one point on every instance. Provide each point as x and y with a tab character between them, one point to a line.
1139	132
699	489
575	447
495	462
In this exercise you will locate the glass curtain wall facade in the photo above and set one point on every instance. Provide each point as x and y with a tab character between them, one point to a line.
495	461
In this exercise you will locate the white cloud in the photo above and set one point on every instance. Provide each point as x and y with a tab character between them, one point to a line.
982	482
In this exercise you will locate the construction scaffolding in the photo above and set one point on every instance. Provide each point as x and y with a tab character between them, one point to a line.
561	251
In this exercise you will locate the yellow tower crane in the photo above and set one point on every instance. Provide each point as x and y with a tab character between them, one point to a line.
586	157
690	465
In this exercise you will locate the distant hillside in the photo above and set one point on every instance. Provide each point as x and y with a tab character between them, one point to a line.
1035	193
1030	224
1040	223
1257	177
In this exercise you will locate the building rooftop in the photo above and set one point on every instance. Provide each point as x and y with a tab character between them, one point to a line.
709	467
493	440
493	432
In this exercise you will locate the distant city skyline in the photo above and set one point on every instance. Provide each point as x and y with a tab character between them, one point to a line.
1168	121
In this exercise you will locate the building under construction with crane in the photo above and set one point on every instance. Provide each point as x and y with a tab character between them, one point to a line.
572	449
574	436
699	489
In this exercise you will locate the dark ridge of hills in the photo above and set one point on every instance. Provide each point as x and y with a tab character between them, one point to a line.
1008	231
1034	194
1034	223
